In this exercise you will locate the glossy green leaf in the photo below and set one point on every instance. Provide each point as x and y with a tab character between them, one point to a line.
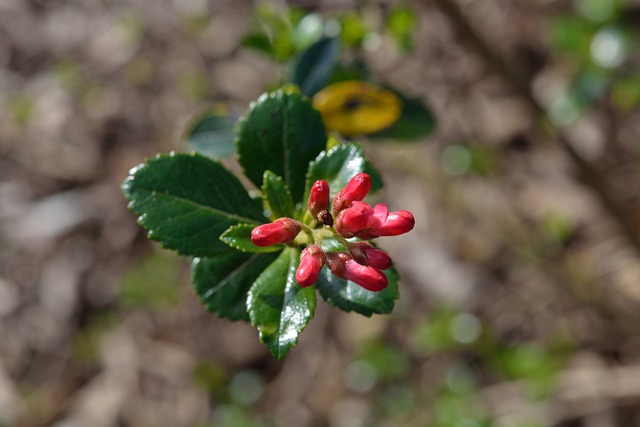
336	166
416	121
278	306
312	70
239	237
186	201
281	133
348	296
222	282
276	196
211	135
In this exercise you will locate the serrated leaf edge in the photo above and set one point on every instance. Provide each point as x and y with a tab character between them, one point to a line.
294	343
329	300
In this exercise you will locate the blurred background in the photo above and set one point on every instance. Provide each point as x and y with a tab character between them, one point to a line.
520	289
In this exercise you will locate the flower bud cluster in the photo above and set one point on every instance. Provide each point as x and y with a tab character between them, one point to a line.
348	217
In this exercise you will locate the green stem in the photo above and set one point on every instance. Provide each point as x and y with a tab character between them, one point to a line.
308	219
309	232
339	238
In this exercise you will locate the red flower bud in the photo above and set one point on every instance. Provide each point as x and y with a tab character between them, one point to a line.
360	216
282	230
311	262
399	222
319	197
355	190
342	265
366	254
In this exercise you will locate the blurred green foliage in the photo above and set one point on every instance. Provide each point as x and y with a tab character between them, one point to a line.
595	41
154	283
193	85
22	108
236	416
470	159
402	24
85	347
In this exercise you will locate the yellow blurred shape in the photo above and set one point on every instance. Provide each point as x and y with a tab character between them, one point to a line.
355	107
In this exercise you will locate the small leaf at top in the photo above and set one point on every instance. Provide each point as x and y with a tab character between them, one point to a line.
336	166
348	296
239	237
278	306
211	135
276	196
186	201
313	69
222	282
281	133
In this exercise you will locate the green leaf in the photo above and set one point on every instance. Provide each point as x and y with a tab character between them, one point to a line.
276	196
416	121
239	237
331	244
312	70
278	306
222	282
281	133
336	166
259	42
186	201
211	135
348	296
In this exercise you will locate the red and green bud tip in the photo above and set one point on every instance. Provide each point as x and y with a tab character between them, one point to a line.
365	222
282	230
397	223
311	262
319	197
355	190
342	265
351	221
363	264
366	254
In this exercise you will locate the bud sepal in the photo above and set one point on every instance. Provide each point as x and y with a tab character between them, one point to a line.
366	254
